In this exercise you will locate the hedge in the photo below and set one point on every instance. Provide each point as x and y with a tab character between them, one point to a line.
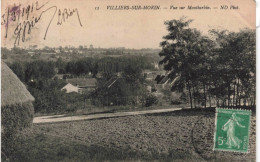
13	119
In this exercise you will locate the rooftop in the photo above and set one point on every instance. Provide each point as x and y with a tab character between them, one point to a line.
13	91
82	82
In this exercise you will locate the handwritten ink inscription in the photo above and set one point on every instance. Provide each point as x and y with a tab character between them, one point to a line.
65	14
25	19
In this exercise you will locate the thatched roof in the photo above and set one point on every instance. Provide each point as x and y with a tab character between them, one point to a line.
13	91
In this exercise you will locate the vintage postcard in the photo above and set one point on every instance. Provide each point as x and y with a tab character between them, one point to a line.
128	80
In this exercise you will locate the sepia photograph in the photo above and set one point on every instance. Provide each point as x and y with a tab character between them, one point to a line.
128	80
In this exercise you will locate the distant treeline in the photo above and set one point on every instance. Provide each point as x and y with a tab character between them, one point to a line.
107	66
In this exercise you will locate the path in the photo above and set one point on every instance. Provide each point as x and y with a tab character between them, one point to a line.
62	118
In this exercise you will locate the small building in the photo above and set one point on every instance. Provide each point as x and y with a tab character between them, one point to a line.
164	82
71	88
112	82
151	75
31	53
79	85
57	50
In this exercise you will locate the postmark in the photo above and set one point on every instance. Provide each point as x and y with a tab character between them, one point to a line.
232	130
202	136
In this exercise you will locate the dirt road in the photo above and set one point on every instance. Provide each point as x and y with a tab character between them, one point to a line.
62	118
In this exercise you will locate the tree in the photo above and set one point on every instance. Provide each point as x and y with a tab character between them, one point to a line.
222	68
38	70
123	90
61	66
135	80
80	47
18	69
184	51
234	73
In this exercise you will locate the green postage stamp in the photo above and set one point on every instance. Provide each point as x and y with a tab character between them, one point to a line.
232	130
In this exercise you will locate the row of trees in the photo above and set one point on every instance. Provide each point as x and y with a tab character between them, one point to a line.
106	66
34	71
218	69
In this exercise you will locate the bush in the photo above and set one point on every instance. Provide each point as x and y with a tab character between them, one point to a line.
13	119
151	100
177	98
74	102
51	101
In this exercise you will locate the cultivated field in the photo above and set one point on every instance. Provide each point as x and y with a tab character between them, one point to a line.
177	136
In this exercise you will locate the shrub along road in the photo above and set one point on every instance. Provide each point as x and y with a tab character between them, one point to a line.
64	118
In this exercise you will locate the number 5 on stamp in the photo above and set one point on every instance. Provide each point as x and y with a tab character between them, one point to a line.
232	130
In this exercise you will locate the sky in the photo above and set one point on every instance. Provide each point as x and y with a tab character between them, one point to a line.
116	28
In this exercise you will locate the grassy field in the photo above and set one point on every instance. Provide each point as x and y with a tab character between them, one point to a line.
177	136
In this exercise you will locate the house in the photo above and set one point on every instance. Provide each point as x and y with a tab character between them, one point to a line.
31	53
79	85
57	50
151	75
49	53
111	82
71	88
164	82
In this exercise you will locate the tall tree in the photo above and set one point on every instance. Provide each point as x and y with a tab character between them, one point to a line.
184	51
235	60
